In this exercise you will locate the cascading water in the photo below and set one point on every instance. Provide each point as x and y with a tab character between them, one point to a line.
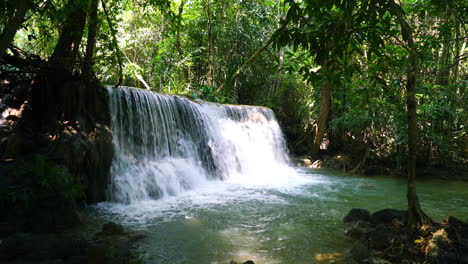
168	144
209	183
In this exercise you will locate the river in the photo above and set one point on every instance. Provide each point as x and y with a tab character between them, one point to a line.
209	183
296	222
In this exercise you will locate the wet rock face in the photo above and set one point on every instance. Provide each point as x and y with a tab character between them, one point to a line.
89	157
83	147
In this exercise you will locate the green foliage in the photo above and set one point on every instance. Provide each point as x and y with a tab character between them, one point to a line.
192	47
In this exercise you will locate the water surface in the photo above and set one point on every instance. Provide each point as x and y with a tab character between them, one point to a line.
296	221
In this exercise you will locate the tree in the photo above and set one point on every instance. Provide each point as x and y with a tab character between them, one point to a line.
329	29
66	51
13	23
92	32
416	217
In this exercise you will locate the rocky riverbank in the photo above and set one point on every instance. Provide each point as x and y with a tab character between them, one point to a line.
382	237
372	167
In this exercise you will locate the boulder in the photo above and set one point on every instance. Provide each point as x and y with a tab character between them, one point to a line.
360	251
357	214
339	162
387	216
437	247
246	262
89	157
382	237
356	233
40	247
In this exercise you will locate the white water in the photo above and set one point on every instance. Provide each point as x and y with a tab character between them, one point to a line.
210	183
168	145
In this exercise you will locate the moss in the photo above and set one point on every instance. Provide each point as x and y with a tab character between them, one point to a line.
38	195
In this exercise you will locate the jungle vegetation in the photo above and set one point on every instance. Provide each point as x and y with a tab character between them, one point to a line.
384	81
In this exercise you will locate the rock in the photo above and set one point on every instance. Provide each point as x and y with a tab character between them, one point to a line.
248	262
444	258
112	229
387	216
357	214
382	237
463	256
12	118
89	157
40	247
356	233
437	246
359	252
358	230
112	232
339	162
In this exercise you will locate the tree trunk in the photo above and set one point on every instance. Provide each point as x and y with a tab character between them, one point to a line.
416	217
114	42
457	49
178	45
322	121
13	25
277	82
209	80
92	31
66	50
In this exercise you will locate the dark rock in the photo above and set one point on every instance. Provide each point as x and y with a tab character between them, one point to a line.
338	162
357	214
12	118
356	233
359	251
387	216
40	247
444	258
87	157
12	247
77	260
437	246
112	229
112	232
382	237
248	262
358	230
463	256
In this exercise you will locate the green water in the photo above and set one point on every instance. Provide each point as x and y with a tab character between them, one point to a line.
297	223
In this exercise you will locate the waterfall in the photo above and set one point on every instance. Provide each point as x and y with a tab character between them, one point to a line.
165	144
